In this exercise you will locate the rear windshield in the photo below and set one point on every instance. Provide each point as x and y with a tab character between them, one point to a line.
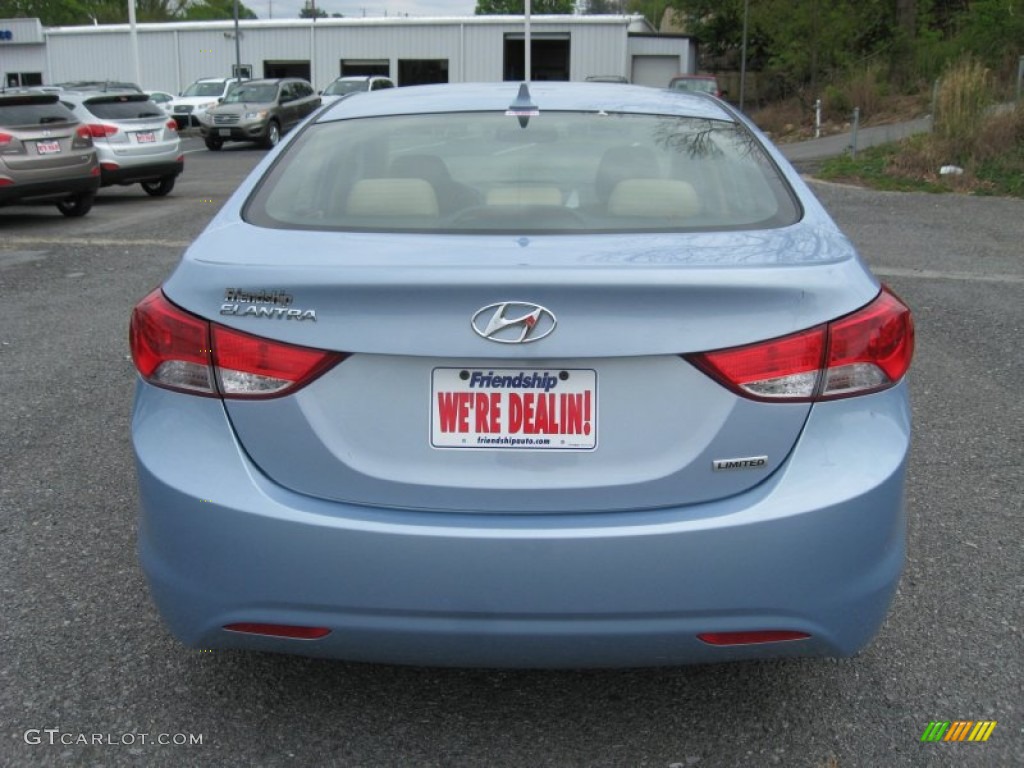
204	89
34	114
123	108
341	87
562	172
256	94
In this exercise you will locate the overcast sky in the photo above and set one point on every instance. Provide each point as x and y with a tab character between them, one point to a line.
289	9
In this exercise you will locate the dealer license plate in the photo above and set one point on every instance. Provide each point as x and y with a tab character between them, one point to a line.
225	131
514	408
47	147
145	137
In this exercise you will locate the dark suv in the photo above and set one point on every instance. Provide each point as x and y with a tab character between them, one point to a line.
46	154
258	110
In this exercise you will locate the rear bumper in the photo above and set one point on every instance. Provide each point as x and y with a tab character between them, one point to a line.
47	191
132	174
818	547
244	132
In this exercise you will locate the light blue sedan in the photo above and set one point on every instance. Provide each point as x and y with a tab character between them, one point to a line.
546	375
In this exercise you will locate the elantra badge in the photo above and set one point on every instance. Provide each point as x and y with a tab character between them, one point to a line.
513	322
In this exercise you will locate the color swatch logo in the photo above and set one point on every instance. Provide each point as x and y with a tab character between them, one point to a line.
958	730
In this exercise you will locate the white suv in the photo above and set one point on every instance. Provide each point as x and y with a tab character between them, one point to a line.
202	95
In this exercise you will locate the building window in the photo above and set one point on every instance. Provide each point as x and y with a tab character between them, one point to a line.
549	55
14	79
286	69
422	71
353	67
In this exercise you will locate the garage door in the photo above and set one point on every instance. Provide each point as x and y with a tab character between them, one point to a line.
655	70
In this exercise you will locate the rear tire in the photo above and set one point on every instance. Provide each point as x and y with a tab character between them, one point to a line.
214	144
160	187
76	205
273	135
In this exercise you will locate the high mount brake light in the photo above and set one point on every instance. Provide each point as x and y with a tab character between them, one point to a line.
865	351
177	350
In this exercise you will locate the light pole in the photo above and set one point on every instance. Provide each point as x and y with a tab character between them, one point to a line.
238	46
527	45
135	42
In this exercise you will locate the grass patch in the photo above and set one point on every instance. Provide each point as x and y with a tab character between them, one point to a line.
873	168
992	161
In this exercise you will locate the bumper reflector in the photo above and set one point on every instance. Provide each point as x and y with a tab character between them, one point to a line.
751	638
280	630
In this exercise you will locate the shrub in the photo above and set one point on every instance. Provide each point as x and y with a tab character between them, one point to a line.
964	94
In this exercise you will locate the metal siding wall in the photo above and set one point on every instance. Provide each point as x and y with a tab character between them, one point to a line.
475	51
24	32
597	50
22	58
594	49
485	52
92	56
390	42
207	53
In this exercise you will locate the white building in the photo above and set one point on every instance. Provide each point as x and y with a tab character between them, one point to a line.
409	50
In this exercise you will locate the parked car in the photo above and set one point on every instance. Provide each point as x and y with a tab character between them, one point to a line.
696	84
135	140
260	111
345	86
635	400
162	99
205	93
46	154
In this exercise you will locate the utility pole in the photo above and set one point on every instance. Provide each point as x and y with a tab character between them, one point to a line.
135	42
743	55
238	45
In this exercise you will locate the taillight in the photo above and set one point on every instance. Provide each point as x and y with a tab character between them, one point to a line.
171	348
101	130
177	350
172	125
83	138
10	145
866	351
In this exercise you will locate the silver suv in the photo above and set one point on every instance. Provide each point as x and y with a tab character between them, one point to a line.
46	155
136	141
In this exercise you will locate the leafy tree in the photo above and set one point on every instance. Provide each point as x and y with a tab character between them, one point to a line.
518	7
308	11
604	7
213	10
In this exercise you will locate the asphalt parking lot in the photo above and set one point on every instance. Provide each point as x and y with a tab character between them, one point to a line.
84	654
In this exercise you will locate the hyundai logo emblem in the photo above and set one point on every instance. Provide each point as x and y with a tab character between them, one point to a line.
513	322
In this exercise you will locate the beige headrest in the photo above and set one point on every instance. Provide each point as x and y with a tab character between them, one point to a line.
392	197
654	198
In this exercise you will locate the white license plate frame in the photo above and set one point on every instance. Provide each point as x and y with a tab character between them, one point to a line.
48	147
503	409
145	137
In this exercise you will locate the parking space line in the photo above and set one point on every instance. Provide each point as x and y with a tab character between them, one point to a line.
88	241
934	274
